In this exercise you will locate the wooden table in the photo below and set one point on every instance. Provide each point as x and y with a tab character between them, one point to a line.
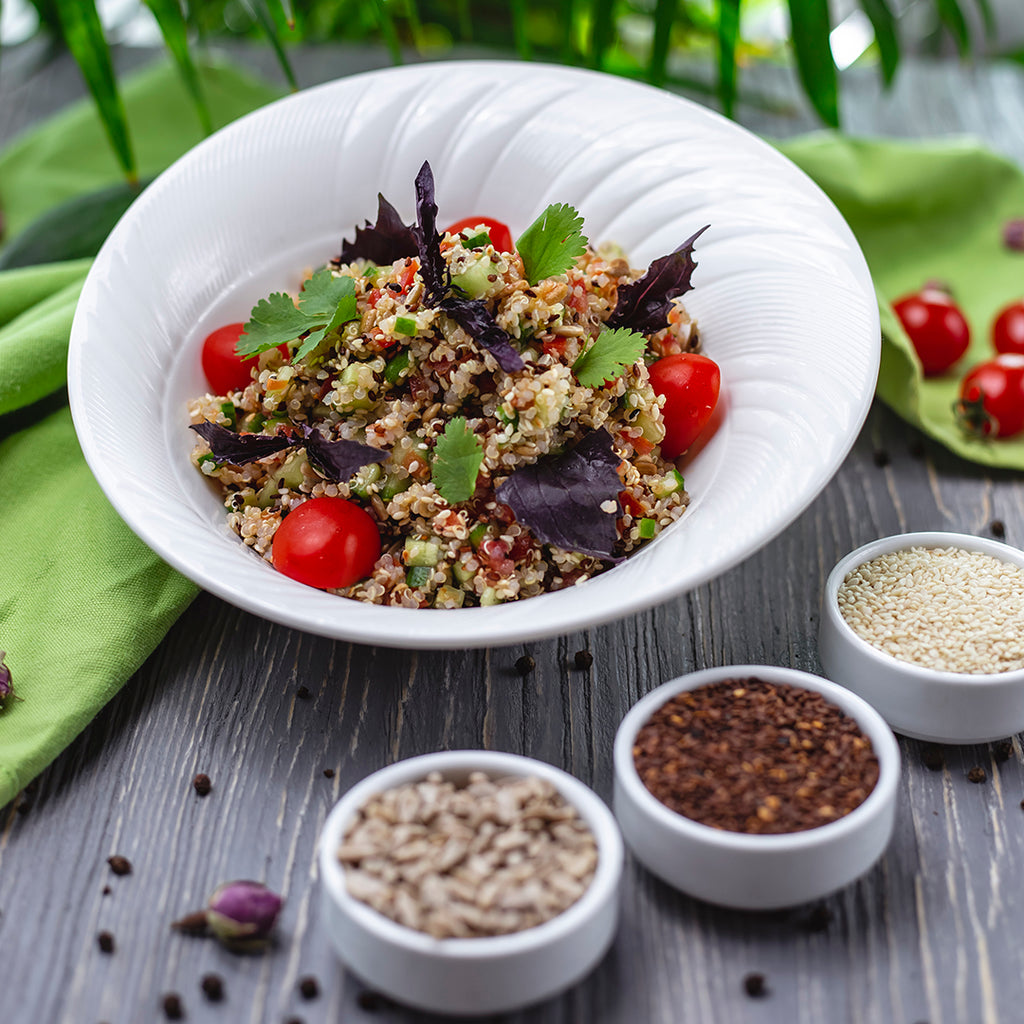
929	935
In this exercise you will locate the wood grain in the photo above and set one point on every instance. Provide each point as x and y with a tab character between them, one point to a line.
929	935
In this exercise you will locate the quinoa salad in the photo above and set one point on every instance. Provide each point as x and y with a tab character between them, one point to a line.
489	407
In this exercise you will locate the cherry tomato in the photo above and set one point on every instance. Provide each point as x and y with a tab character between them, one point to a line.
326	543
936	327
501	237
225	369
690	383
1008	329
992	397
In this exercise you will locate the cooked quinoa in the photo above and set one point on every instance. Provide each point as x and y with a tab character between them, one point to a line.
944	608
395	376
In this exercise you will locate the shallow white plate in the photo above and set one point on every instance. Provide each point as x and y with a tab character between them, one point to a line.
782	294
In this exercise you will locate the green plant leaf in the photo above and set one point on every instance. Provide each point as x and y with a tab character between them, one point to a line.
173	28
520	29
83	34
886	37
552	243
809	33
602	19
988	18
458	454
728	34
386	24
664	18
260	11
953	18
412	13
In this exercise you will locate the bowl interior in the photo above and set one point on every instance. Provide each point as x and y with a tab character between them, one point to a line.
782	296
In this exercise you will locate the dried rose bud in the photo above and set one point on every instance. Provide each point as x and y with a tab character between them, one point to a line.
6	685
243	913
1013	234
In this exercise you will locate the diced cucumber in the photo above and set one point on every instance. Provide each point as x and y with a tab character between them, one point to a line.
360	483
289	474
406	325
230	413
647	528
671	482
419	575
477	534
393	485
489	597
356	375
461	573
397	367
477	241
421	552
446	596
472	280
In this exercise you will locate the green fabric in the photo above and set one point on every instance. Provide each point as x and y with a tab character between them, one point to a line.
82	601
928	211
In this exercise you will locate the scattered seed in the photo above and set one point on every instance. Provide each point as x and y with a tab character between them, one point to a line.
932	758
583	659
525	665
173	1007
192	924
213	987
120	865
328	773
201	784
107	890
1003	750
881	458
308	987
977	774
303	693
106	942
997	528
818	919
754	986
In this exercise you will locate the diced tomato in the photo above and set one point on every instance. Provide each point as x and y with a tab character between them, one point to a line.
408	274
374	297
494	554
641	445
630	504
554	347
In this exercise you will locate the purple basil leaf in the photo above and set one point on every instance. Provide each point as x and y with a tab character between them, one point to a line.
433	269
644	305
337	460
559	496
476	320
238	449
381	243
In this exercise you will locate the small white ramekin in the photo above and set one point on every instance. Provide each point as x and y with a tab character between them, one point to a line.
924	703
473	976
755	872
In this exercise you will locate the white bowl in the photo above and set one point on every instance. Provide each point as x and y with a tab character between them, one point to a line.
782	294
924	703
473	976
755	872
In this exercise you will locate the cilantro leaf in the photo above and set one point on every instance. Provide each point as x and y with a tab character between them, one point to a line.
551	244
608	357
559	497
644	305
326	302
457	457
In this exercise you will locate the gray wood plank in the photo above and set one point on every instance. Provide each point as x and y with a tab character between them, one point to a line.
926	936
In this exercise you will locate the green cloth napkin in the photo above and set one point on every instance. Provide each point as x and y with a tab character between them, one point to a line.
82	601
929	210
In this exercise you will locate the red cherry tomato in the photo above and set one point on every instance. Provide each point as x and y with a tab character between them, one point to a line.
326	543
501	237
690	383
936	327
225	369
992	397
1008	329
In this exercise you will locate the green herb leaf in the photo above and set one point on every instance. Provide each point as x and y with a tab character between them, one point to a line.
609	356
457	457
551	244
325	304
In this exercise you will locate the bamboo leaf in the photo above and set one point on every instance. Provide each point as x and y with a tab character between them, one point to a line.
259	10
84	36
809	32
988	19
520	31
566	22
884	24
664	18
953	18
602	18
465	20
288	10
728	34
412	13
387	28
169	17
